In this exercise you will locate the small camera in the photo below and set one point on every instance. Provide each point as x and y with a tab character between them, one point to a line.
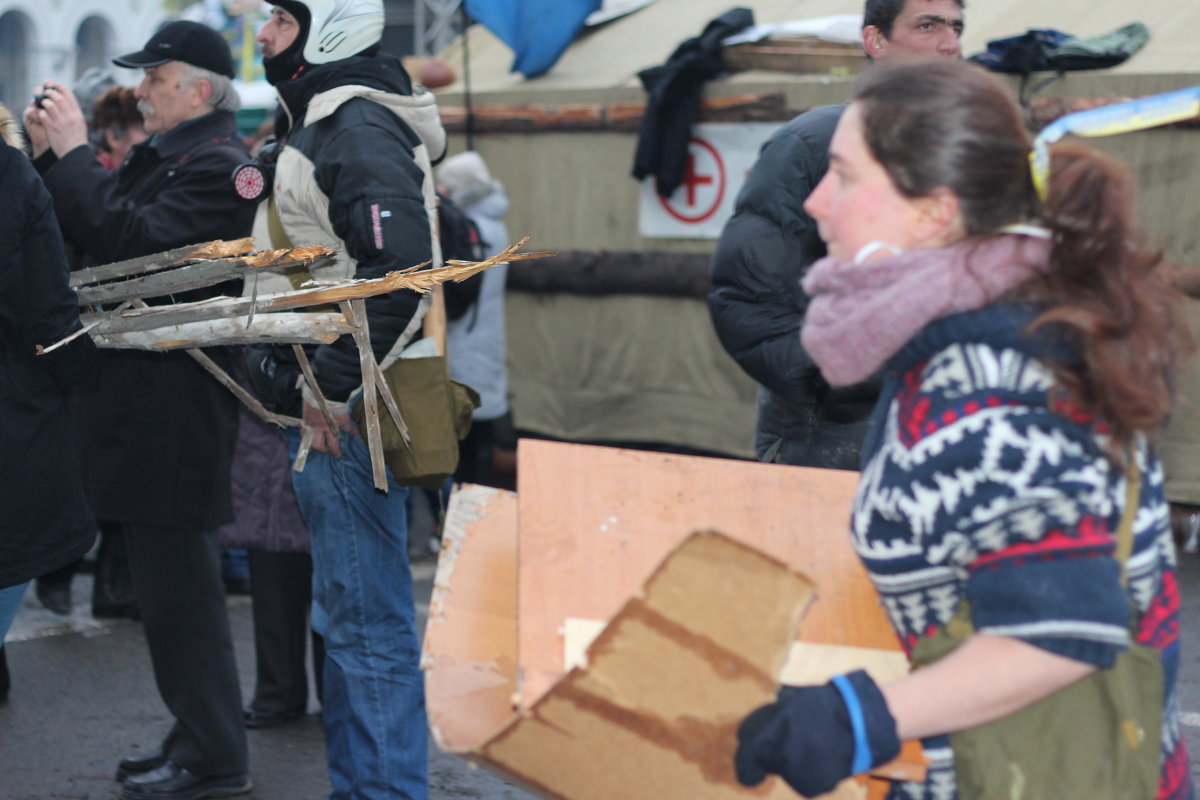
40	97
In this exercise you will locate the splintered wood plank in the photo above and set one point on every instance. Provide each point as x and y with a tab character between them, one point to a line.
185	278
133	266
470	649
595	521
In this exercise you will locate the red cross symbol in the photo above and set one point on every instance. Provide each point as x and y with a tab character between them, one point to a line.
703	185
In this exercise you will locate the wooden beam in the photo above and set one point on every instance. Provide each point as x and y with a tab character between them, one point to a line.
280	328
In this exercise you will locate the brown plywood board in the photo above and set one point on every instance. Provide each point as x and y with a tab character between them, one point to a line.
655	711
595	522
470	648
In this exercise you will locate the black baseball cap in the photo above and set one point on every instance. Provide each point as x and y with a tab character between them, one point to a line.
190	42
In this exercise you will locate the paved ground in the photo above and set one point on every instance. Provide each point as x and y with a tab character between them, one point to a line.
83	695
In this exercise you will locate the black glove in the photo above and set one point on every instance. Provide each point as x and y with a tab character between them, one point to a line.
814	737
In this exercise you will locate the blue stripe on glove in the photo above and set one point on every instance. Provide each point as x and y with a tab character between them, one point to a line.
814	737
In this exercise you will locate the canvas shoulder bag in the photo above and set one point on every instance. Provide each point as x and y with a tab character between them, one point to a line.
1099	738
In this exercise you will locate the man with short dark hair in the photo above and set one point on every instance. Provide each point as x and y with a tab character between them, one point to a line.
156	433
756	301
354	173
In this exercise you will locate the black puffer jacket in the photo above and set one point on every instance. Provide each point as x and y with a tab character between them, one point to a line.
757	304
46	522
355	175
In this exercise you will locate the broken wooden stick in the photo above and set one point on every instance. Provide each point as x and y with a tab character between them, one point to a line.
311	380
357	312
252	403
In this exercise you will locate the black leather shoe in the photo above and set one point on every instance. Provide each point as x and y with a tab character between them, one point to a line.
172	782
54	595
116	611
270	719
142	762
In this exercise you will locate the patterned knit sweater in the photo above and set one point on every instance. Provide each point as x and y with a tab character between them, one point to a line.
976	482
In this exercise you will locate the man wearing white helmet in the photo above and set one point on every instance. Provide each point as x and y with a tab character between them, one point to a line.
354	173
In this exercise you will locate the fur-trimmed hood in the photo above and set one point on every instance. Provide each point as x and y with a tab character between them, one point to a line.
10	129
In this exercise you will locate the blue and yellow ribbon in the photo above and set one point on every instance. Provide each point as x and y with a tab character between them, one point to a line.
1134	115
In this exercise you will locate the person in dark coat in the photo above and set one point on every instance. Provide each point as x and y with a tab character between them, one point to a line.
756	302
157	432
46	522
268	525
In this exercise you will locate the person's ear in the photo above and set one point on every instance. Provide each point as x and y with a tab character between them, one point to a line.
939	218
203	91
874	42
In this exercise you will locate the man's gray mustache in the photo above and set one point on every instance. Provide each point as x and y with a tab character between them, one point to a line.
145	109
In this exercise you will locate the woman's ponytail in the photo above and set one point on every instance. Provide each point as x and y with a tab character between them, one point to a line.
1107	296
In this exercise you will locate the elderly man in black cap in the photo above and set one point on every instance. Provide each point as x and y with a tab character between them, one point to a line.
156	433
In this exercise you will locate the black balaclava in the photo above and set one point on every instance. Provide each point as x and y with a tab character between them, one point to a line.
290	62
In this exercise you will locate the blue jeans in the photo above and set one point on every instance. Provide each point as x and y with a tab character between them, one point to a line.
376	735
10	602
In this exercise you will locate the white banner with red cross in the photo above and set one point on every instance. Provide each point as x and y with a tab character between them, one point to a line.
719	156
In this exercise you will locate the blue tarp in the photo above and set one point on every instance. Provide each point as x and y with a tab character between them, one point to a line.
538	31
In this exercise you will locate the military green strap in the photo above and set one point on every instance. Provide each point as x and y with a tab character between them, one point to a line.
281	241
1133	490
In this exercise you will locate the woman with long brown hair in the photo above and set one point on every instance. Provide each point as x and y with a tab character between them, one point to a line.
1026	345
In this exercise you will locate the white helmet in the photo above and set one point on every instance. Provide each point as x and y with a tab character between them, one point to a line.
337	29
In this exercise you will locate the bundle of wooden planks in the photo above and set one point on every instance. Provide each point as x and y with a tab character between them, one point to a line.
116	313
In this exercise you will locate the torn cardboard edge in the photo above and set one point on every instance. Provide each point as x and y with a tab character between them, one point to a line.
654	711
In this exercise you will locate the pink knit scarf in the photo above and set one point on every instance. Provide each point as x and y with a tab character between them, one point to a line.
862	314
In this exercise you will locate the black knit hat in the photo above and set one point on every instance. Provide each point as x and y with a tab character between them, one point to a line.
189	42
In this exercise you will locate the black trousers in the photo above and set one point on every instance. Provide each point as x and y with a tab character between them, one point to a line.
281	590
177	579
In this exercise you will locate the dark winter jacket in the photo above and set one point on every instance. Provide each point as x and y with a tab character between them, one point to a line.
355	175
156	431
757	304
46	522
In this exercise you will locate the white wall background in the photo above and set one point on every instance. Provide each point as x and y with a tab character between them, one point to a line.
59	39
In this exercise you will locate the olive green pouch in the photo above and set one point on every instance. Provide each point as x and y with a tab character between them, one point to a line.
437	412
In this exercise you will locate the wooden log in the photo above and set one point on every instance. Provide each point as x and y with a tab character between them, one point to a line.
281	328
624	116
598	273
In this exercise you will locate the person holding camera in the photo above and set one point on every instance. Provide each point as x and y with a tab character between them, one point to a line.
156	432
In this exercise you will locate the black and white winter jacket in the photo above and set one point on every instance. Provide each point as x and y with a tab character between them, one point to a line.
355	174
